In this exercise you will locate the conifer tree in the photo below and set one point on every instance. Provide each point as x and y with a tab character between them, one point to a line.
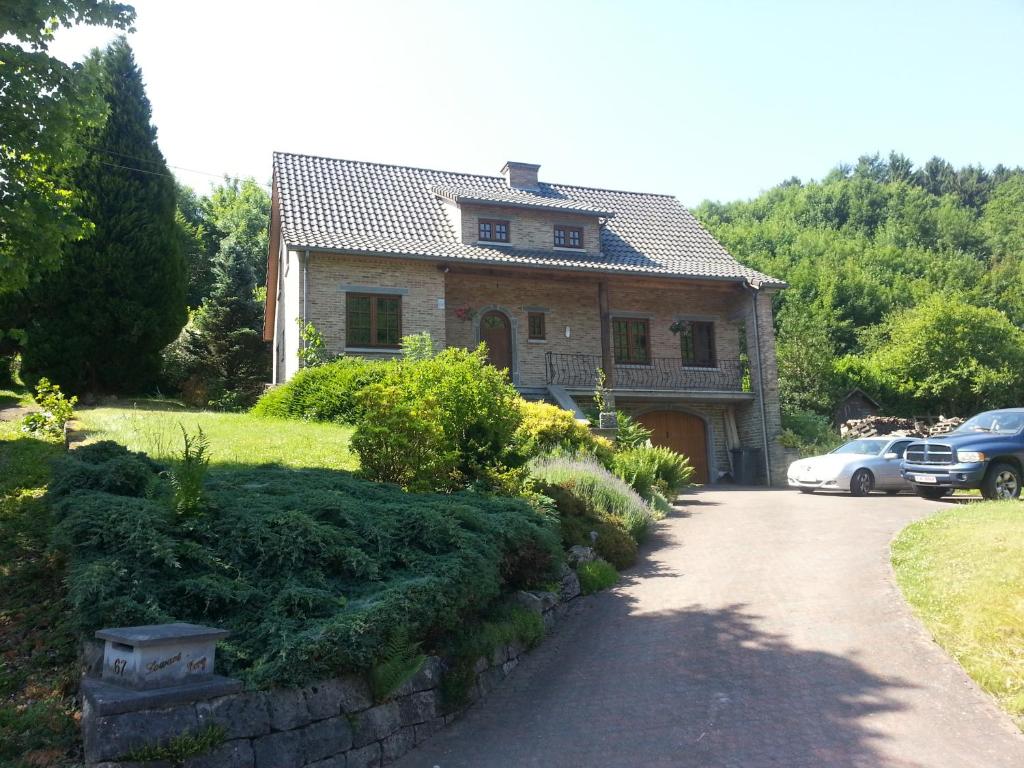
220	359
100	322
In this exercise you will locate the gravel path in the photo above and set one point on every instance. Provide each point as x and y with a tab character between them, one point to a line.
763	628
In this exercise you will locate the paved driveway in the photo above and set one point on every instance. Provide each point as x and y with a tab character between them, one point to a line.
763	628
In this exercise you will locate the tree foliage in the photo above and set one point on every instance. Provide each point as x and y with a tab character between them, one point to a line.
220	358
45	106
100	321
867	242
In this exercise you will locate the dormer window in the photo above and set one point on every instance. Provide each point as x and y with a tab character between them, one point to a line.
568	237
493	230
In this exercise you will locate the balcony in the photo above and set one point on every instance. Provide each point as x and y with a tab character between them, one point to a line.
662	374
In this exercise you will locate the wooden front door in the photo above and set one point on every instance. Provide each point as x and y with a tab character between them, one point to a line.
496	333
682	432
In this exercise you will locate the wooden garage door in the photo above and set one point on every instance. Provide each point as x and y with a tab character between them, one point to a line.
682	432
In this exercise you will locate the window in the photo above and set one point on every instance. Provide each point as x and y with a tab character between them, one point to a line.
900	448
630	338
536	323
373	321
697	344
494	230
568	237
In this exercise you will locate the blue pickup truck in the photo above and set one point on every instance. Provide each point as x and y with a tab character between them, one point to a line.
986	452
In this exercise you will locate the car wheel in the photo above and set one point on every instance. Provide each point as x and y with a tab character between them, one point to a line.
929	492
1001	483
862	482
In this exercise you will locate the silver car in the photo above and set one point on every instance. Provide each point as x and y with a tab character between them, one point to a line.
860	466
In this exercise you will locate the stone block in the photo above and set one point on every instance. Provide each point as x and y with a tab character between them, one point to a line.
279	750
365	757
323	699
242	716
509	665
326	738
396	745
338	761
529	601
428	676
376	723
549	620
419	707
570	585
481	664
354	693
230	754
548	600
578	554
424	731
288	709
108	737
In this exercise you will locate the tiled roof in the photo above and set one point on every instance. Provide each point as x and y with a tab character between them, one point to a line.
395	210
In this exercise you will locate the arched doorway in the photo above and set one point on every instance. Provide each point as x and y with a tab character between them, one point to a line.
684	433
496	333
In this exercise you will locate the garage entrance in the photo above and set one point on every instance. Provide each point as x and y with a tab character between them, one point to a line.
683	433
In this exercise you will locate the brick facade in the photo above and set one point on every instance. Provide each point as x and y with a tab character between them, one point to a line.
331	276
433	299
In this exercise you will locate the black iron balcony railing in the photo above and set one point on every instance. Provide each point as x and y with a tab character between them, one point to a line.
659	373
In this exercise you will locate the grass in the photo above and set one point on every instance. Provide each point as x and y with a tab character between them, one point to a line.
38	664
236	439
596	576
963	572
38	673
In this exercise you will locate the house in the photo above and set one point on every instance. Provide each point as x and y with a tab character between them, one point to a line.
558	280
857	404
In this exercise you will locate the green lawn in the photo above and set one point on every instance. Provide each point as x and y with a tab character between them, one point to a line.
154	427
963	572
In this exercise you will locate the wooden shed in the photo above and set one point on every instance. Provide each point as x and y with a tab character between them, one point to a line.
856	405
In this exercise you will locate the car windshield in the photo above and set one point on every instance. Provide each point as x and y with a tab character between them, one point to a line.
999	422
870	447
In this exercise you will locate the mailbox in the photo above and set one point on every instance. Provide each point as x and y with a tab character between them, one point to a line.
159	656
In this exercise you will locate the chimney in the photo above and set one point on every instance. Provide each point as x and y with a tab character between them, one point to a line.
521	176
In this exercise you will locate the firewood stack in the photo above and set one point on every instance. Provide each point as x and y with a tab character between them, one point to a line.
874	426
895	426
945	425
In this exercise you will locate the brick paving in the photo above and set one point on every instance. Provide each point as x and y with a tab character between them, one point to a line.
763	628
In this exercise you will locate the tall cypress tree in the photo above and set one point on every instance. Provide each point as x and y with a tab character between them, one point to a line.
99	323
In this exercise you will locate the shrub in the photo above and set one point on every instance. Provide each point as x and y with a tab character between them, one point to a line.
596	575
807	432
653	470
402	441
55	410
463	405
312	570
631	433
418	346
545	428
187	477
603	495
327	392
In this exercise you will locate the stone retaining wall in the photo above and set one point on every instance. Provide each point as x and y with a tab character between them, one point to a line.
330	724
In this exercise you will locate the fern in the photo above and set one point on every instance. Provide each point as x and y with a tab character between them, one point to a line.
187	477
400	660
180	748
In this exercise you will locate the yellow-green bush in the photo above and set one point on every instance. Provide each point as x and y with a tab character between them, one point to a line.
545	428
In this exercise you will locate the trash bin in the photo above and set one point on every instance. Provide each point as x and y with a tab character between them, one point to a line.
748	466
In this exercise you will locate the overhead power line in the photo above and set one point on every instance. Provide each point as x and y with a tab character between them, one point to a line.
161	173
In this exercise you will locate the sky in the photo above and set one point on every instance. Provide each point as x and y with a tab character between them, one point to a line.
703	99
